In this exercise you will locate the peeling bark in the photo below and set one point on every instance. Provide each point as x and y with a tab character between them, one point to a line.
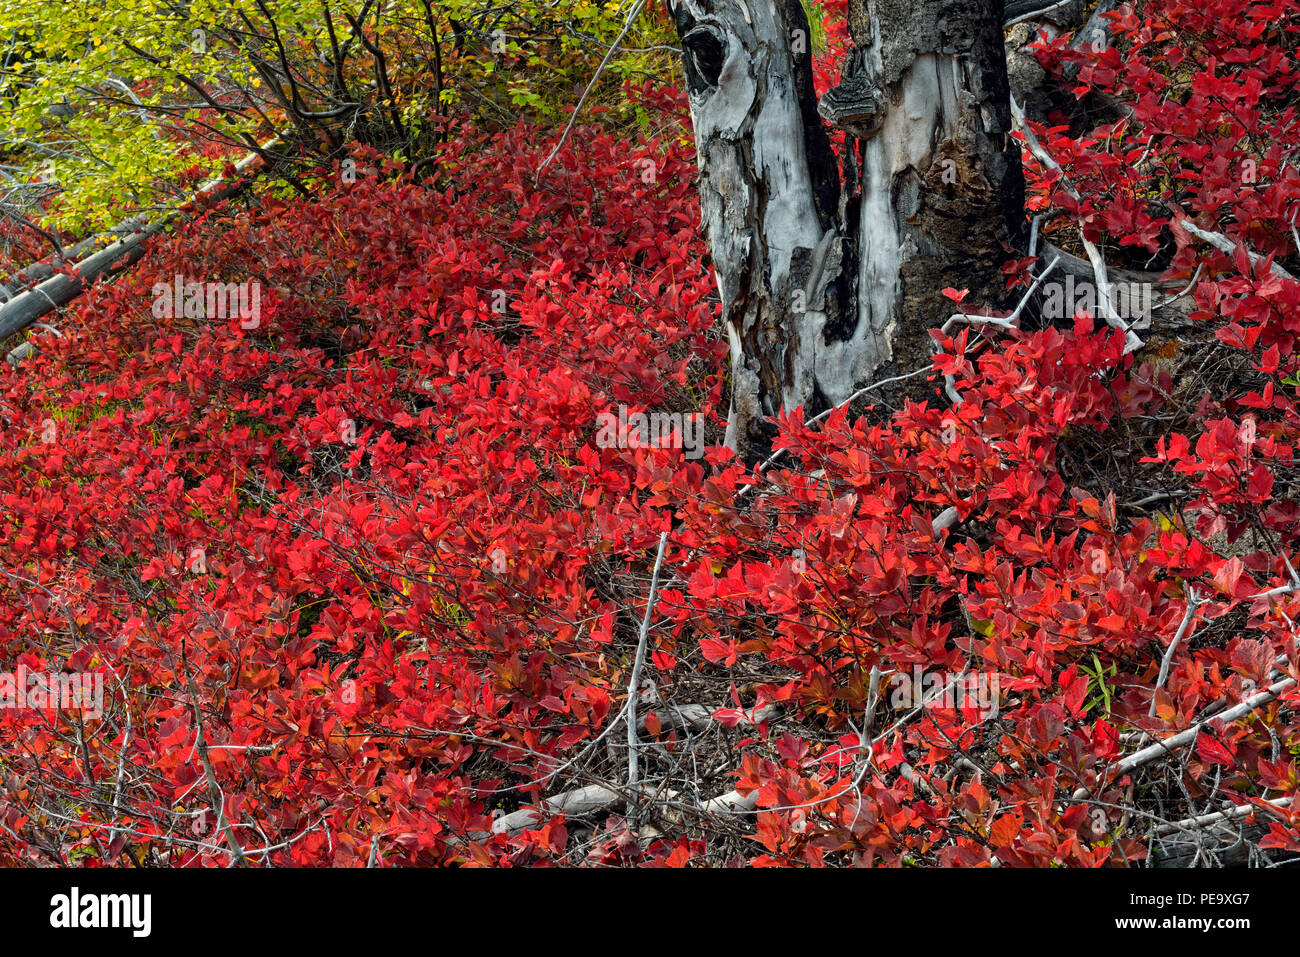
769	193
829	283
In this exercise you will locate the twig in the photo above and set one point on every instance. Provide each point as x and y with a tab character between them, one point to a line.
1166	748
1243	810
121	759
214	789
700	716
633	771
873	696
1194	602
1226	245
573	118
771	459
1004	322
1190	286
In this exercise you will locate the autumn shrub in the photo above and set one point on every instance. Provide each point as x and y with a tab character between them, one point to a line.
360	584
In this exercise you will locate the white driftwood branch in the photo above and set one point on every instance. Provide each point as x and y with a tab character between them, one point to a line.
1236	813
1193	603
1035	14
733	802
697	717
1226	245
1166	748
594	797
1007	322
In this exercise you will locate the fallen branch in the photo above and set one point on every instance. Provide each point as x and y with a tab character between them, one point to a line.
1003	322
25	308
597	797
633	772
698	717
1167	748
38	272
594	797
1033	10
214	789
1194	602
1234	814
1226	245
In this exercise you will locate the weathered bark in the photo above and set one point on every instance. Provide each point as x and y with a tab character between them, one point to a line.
769	193
830	282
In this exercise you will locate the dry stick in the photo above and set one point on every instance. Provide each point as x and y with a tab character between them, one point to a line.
597	797
1007	322
1035	14
1004	321
1131	340
1166	748
1243	810
1226	245
633	770
699	716
1099	271
1186	289
214	789
1194	602
25	349
1214	707
1293	585
873	697
594	797
121	759
627	25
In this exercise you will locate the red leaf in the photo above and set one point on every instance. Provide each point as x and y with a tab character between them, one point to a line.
1214	752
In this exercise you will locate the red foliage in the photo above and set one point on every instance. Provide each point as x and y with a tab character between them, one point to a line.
372	541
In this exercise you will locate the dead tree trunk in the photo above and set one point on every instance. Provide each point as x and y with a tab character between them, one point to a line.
829	277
